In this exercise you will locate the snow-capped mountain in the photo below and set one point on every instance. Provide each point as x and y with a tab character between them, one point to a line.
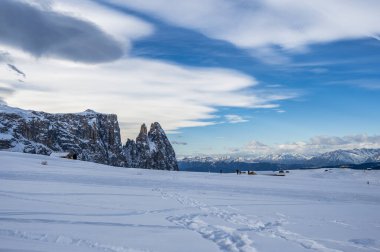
281	161
92	136
283	158
355	156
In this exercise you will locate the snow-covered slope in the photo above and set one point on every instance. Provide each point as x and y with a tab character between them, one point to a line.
70	205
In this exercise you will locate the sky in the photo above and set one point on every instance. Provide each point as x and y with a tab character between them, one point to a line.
223	77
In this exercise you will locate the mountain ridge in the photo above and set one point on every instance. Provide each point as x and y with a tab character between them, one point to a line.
354	157
91	135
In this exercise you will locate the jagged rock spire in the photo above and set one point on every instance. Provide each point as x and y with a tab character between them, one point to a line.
163	155
152	150
143	131
155	126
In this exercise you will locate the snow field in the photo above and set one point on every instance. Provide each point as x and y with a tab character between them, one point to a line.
70	205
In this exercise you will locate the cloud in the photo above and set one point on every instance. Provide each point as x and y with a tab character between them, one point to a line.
255	147
5	57
121	26
314	145
5	92
137	90
60	78
18	71
45	32
370	84
178	143
235	119
269	26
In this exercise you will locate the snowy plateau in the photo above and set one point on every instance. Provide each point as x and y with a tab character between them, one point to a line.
72	205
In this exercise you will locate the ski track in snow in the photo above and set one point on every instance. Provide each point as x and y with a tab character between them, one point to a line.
228	239
231	238
356	244
63	239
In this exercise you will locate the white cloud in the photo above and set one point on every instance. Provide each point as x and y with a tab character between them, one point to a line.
370	84
288	24
137	90
120	25
255	147
318	144
235	119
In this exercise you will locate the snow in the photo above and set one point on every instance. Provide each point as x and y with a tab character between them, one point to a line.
5	136
88	112
29	113
70	205
152	146
92	121
59	154
26	114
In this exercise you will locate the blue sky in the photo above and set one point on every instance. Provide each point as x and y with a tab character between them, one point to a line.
222	77
334	98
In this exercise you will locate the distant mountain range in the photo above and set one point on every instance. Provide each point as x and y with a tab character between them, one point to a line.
355	158
341	157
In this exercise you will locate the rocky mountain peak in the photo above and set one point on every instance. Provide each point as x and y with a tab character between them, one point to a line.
92	136
155	127
161	148
151	150
143	133
90	111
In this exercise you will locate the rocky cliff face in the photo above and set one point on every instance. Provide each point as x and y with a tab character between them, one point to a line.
92	136
151	150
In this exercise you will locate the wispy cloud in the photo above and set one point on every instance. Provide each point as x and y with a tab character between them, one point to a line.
5	92
18	71
377	37
121	26
371	84
5	57
138	90
178	143
268	27
235	119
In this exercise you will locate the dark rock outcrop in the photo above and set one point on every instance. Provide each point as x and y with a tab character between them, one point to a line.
92	136
151	150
